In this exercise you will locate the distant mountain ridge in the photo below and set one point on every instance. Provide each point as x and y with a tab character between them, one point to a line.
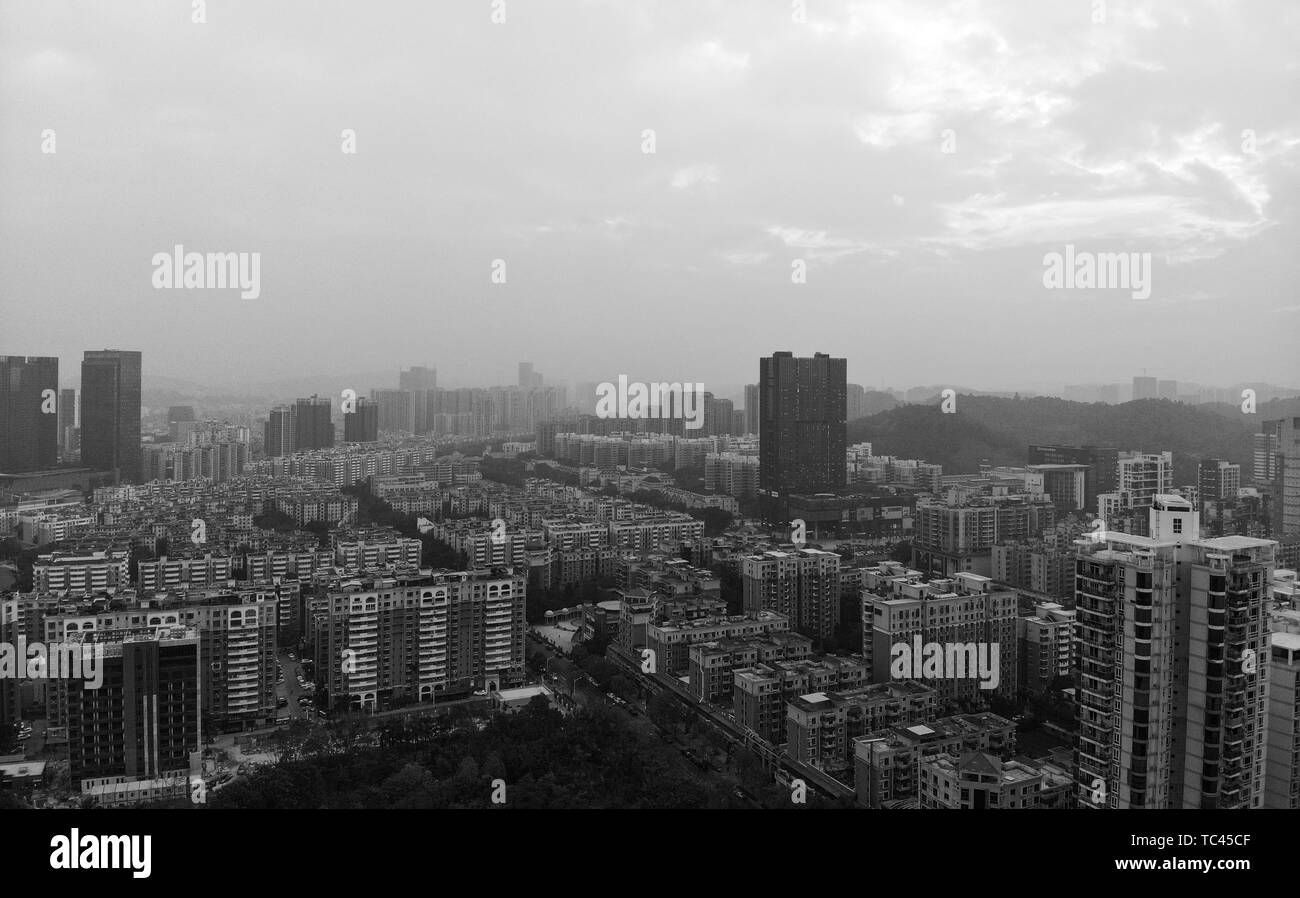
1001	430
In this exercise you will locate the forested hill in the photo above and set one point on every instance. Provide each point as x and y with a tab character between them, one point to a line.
1000	430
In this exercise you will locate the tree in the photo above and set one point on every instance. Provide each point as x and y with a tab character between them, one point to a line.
716	521
275	520
902	552
622	687
287	742
750	770
663	711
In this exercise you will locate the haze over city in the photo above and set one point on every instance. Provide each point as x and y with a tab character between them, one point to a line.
648	405
774	141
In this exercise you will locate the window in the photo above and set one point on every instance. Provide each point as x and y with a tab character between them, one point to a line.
1178	525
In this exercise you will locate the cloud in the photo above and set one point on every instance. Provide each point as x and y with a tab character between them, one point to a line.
694	176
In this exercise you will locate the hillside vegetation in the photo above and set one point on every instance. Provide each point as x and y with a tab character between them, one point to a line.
987	428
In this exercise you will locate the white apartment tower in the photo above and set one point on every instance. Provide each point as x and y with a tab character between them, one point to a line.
1173	660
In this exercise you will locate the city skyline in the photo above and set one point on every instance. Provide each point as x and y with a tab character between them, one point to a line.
622	405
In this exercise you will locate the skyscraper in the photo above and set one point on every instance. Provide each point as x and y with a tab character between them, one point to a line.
1288	478
29	439
417	384
717	415
397	409
525	374
802	427
1264	468
1173	653
362	425
751	409
281	431
856	400
110	412
67	421
315	427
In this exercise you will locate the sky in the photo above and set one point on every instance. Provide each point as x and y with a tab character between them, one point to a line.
879	181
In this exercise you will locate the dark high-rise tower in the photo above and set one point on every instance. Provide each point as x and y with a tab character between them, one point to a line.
362	426
110	412
29	435
802	434
281	431
751	409
314	424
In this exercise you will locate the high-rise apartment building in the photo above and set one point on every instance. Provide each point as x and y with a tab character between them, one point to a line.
731	473
751	409
951	539
1065	484
528	378
29	430
143	721
898	608
417	383
1046	648
1173	660
1218	481
237	640
802	427
1139	478
362	425
11	627
110	412
1146	388
396	410
855	402
1287	490
717	415
314	424
418	636
1264	468
803	585
1282	783
281	431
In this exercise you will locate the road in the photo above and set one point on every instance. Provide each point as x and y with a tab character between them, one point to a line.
289	688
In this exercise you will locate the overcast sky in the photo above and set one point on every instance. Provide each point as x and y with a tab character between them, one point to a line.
775	141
